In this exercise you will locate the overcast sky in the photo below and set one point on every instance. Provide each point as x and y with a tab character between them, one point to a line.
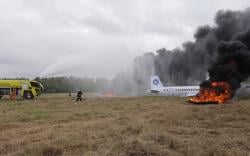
95	37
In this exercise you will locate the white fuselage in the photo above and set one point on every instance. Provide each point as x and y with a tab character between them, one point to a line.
176	90
156	87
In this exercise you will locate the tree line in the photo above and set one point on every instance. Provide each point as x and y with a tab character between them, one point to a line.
72	84
120	84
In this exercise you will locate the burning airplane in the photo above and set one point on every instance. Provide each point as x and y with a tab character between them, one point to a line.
231	67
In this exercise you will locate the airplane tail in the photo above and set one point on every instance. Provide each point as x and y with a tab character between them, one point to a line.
155	82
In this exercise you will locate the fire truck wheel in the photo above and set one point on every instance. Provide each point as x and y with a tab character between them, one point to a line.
28	95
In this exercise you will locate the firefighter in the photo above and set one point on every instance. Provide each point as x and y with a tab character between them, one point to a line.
13	94
79	95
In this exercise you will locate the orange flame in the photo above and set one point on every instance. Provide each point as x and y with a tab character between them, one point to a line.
108	94
219	92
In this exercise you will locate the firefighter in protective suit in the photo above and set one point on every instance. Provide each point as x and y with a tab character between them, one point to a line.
79	95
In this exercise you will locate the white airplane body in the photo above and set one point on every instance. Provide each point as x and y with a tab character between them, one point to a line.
157	88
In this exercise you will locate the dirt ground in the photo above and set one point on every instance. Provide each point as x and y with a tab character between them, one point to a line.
55	125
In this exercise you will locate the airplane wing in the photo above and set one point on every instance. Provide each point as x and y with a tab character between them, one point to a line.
189	94
152	91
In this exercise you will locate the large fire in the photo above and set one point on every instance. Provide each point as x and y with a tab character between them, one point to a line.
218	92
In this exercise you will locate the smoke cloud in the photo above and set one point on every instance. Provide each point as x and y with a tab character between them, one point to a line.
232	65
222	50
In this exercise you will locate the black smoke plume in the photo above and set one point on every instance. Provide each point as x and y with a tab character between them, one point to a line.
232	64
222	51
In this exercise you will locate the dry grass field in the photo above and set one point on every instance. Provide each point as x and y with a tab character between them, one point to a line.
55	125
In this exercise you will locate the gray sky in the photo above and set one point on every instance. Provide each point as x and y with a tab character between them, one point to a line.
95	37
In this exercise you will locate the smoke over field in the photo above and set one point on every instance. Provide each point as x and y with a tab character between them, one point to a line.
189	64
226	43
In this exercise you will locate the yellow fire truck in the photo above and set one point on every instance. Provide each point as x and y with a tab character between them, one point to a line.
25	89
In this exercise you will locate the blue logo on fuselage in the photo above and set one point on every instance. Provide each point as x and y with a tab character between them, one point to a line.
155	82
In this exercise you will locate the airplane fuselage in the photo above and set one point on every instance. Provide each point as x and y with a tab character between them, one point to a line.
176	91
157	88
